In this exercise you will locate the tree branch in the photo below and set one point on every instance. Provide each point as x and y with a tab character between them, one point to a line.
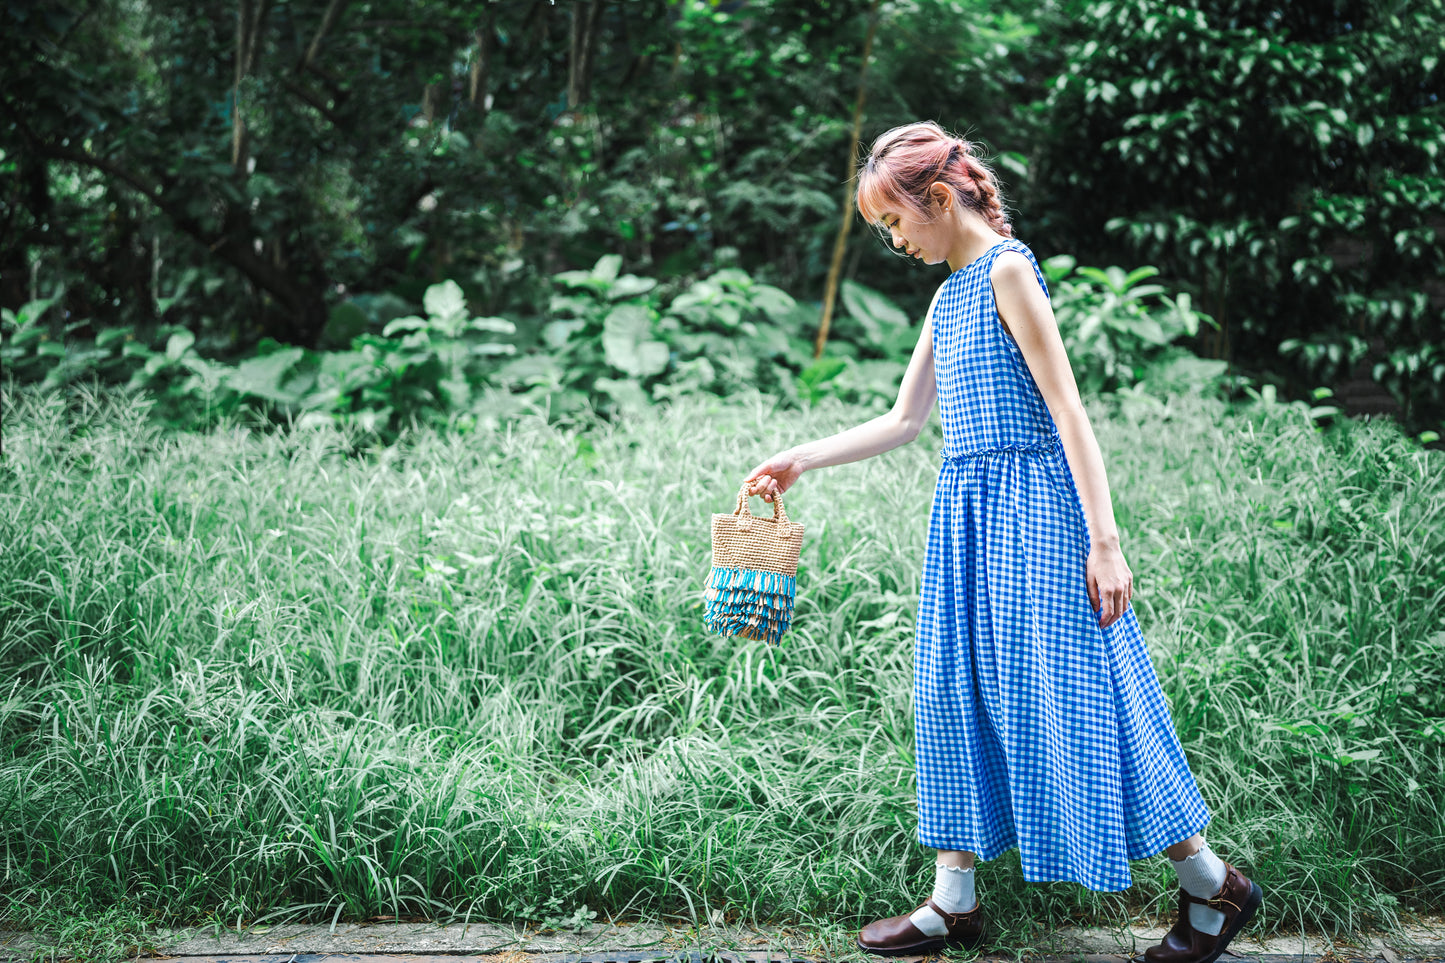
328	20
311	99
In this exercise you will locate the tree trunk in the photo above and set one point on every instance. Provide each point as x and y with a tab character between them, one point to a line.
481	67
835	270
583	44
250	16
238	126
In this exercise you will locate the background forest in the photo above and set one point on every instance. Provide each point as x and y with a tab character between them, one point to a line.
187	186
370	370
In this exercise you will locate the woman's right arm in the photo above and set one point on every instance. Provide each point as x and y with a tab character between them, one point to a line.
916	396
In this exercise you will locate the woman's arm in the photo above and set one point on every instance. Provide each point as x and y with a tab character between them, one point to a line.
1028	317
916	396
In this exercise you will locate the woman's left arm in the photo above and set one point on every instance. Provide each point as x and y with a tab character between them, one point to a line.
1028	317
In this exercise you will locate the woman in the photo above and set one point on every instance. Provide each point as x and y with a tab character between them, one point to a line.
1038	719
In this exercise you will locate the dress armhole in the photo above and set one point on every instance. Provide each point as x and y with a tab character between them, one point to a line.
932	305
1013	345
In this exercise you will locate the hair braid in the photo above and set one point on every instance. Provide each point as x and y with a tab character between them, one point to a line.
988	200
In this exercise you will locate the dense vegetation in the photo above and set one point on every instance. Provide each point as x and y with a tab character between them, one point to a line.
616	344
272	171
1282	160
256	674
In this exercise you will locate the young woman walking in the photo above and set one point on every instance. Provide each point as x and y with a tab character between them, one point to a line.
1038	719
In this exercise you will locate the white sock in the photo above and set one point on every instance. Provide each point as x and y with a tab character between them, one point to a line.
953	892
1202	875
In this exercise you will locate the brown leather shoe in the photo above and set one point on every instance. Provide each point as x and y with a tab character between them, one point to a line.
897	936
1237	899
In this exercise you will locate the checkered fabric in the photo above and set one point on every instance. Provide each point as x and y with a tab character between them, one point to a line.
1034	727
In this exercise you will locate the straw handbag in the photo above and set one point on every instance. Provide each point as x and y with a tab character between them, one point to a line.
754	572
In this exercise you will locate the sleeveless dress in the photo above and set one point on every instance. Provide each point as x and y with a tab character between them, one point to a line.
1034	727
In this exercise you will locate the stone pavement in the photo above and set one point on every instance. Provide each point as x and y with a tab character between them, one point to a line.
640	942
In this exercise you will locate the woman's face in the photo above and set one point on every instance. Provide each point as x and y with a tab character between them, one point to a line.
928	241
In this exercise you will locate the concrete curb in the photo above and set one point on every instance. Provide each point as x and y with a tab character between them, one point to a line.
310	943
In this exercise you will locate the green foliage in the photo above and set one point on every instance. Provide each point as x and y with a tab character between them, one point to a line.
29	349
345	153
618	342
610	344
417	368
1121	334
875	339
1283	161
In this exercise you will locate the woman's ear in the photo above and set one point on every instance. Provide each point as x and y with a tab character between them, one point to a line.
941	195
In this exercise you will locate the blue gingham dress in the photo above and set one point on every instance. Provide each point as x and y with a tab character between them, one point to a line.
1033	726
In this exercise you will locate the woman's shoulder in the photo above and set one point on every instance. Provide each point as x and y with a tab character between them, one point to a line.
1015	266
1013	249
1012	261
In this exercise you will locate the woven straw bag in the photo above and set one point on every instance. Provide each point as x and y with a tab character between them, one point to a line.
754	572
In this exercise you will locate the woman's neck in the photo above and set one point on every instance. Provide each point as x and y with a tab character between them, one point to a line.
971	240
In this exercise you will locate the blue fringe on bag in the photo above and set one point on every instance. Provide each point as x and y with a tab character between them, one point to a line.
749	602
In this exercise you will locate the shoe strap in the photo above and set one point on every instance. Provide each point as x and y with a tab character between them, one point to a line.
946	916
1217	903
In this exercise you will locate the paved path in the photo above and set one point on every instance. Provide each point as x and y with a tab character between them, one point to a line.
380	942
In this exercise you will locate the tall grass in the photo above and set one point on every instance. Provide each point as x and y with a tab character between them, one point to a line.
264	675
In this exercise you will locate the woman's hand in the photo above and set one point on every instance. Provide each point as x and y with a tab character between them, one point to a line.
1110	583
774	476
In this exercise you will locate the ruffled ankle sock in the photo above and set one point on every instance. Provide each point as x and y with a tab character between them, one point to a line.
1202	874
953	892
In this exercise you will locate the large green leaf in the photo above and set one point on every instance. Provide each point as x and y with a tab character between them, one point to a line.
630	286
871	309
776	303
494	325
627	341
625	392
822	371
607	267
445	301
263	377
409	323
177	344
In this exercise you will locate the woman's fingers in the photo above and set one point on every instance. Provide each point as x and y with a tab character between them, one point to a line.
1111	588
1116	600
763	484
764	481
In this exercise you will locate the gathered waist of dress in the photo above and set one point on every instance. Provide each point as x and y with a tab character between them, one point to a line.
1045	443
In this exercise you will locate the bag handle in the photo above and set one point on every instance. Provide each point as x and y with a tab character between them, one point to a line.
780	514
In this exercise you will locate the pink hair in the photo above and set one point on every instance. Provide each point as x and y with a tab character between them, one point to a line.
907	160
